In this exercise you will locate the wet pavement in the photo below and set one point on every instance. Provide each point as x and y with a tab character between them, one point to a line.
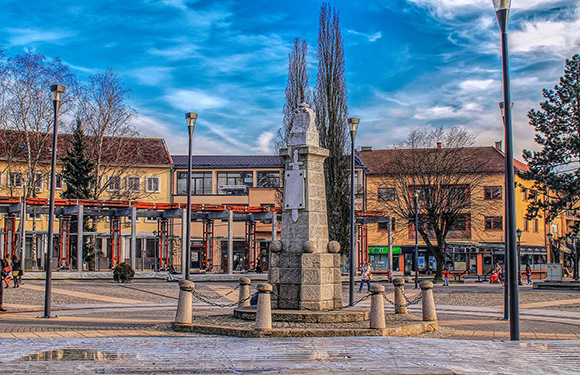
216	355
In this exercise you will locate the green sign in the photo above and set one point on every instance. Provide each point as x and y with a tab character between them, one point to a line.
383	250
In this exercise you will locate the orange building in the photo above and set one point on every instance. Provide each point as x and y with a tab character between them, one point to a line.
476	242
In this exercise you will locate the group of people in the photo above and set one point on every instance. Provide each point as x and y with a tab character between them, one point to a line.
11	270
498	276
366	276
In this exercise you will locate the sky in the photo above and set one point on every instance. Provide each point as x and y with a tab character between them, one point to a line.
409	63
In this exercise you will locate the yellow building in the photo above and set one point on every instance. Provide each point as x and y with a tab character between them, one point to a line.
131	170
476	242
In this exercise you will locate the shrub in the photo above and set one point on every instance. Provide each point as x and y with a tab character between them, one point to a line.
123	273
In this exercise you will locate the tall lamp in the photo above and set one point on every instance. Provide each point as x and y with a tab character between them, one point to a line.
502	10
353	127
519	236
56	92
191	119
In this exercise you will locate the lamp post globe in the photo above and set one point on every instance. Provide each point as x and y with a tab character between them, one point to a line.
353	127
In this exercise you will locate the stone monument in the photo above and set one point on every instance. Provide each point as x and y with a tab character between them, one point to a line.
304	266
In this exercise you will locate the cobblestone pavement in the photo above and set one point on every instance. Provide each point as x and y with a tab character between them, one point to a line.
219	355
95	308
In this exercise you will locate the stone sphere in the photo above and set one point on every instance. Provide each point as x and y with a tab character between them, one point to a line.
264	288
276	246
333	247
245	281
377	288
308	246
186	285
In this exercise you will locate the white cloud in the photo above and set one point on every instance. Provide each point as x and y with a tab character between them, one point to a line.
23	37
477	84
151	75
369	37
453	8
198	100
265	143
437	112
554	37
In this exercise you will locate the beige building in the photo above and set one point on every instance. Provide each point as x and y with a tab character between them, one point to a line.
249	181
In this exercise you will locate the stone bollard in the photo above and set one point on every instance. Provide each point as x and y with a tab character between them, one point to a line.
400	303
244	300
185	302
428	302
377	317
264	311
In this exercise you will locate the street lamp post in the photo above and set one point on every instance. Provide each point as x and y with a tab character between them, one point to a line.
353	125
519	236
576	276
416	240
56	92
191	119
550	236
502	10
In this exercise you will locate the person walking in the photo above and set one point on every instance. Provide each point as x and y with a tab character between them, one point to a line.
445	277
2	272
365	277
529	273
6	270
16	268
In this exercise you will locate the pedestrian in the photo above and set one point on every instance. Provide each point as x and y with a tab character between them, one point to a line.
445	277
366	277
529	273
499	272
2	293
258	266
16	268
389	275
6	270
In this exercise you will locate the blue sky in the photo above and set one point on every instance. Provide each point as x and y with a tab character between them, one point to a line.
409	63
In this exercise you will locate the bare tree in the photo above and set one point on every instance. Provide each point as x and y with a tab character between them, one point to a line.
107	121
330	99
297	90
442	170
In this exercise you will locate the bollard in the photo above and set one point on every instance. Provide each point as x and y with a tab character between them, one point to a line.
428	302
185	302
377	307
400	303
264	311
244	292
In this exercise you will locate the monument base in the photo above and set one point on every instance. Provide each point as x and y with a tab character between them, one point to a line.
306	316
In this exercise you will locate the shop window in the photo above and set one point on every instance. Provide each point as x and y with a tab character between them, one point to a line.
386	194
492	192
201	183
493	222
269	179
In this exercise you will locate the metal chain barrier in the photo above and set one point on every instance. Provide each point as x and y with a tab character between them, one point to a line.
205	299
365	297
415	300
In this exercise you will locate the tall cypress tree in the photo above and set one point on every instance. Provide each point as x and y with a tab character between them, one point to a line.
330	98
78	168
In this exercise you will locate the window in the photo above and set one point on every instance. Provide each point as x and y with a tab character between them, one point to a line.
386	194
358	184
234	183
267	205
16	179
31	217
150	219
385	226
133	184
152	184
492	192
461	224
38	181
535	225
201	183
58	181
114	183
493	222
524	194
269	179
525	224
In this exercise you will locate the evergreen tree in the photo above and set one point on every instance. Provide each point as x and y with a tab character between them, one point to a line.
555	167
78	168
330	98
78	174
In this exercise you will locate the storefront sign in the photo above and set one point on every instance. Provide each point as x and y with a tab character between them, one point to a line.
383	250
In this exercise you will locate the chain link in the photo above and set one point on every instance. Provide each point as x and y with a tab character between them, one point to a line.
335	309
413	301
204	299
219	296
